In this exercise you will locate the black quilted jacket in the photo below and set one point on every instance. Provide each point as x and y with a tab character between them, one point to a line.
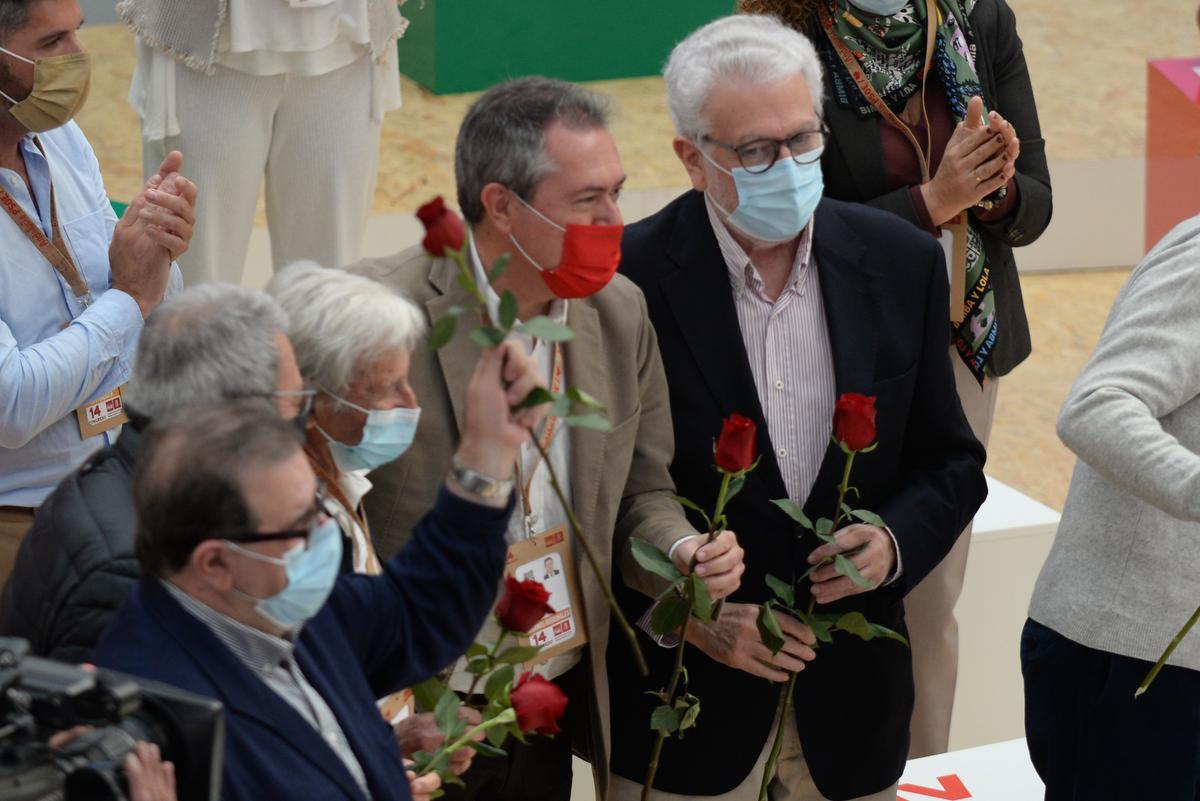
76	565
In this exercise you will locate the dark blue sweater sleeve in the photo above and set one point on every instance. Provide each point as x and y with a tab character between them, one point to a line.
432	598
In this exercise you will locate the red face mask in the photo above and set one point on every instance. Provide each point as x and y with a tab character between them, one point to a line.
589	260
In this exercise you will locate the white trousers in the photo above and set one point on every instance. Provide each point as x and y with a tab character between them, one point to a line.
929	608
312	138
791	782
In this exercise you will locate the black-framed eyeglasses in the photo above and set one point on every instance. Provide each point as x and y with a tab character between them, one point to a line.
314	517
759	155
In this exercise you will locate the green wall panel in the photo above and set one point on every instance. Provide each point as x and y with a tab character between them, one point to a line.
468	45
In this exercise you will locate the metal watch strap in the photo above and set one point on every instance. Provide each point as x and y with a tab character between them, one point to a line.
480	484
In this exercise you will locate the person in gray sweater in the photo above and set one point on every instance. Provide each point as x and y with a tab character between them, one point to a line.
1124	572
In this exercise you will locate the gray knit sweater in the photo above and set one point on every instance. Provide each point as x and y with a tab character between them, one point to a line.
1124	572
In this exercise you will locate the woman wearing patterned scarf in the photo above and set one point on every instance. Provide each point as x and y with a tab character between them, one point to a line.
957	150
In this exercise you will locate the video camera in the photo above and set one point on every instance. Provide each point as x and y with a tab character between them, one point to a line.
40	697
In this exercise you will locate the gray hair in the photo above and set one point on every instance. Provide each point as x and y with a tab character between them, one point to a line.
208	344
339	322
502	138
754	49
13	16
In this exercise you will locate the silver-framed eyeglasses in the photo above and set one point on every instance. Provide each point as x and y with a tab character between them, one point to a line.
758	155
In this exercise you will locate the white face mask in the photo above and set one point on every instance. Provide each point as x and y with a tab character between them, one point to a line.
386	435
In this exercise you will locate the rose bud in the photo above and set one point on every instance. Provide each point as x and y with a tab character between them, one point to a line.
523	604
538	704
443	228
854	420
735	450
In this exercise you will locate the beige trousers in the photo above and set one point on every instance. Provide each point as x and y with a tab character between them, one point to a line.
313	140
13	527
792	781
929	609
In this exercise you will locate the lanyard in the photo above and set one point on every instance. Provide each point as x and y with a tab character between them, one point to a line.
54	251
556	382
932	14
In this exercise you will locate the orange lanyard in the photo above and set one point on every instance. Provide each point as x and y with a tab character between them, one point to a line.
556	382
932	14
54	251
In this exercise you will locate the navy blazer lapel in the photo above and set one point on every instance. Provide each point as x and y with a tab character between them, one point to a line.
241	691
850	316
701	301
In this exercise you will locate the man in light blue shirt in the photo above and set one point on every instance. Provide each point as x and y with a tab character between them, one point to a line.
75	284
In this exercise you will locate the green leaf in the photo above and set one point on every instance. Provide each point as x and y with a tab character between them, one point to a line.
846	568
496	736
651	557
479	665
486	748
584	399
476	649
689	504
445	714
498	683
824	529
518	654
669	615
561	406
855	623
794	511
702	602
867	517
443	329
544	328
498	268
536	397
691	711
822	626
735	486
508	310
596	422
487	336
428	693
884	631
666	720
783	591
768	629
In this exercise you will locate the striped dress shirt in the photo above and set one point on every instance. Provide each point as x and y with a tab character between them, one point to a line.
787	344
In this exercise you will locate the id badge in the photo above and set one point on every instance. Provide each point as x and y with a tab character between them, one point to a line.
953	240
547	558
101	414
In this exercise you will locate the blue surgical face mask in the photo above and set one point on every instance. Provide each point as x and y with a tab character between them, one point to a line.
387	434
311	573
881	8
774	206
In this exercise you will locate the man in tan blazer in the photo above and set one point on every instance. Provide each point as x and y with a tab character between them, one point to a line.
533	157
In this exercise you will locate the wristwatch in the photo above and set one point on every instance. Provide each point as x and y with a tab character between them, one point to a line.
481	484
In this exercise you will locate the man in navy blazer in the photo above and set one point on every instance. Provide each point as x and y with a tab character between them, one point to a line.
770	301
241	600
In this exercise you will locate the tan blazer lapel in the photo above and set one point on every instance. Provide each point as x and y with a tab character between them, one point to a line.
457	357
583	355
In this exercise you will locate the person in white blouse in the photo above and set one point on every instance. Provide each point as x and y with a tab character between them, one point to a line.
290	90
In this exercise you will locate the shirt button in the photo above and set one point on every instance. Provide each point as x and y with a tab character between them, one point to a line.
782	452
779	384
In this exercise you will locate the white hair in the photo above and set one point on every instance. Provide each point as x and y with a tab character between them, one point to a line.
748	48
339	323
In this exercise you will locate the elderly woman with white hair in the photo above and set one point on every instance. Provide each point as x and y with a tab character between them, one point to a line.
352	339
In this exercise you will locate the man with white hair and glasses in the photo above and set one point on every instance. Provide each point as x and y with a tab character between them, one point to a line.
770	301
206	345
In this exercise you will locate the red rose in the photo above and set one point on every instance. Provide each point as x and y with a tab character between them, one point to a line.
443	228
523	604
735	449
854	420
538	704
